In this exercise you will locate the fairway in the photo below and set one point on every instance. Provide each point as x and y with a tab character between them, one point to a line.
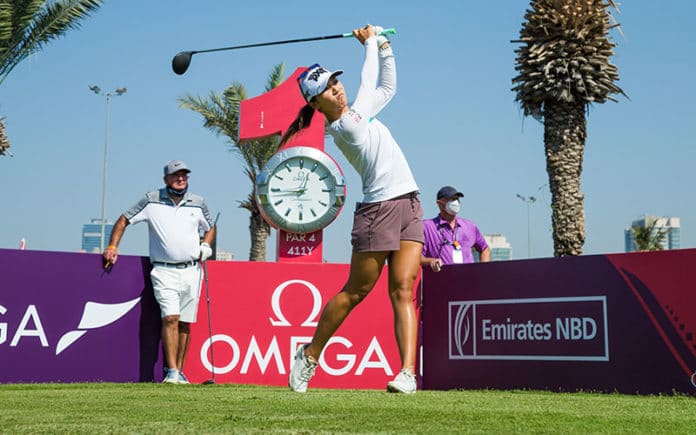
155	408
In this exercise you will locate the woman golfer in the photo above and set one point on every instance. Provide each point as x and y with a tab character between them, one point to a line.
388	224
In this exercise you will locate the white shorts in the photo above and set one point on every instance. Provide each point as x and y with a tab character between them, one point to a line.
177	291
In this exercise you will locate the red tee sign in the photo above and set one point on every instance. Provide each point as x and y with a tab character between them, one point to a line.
270	114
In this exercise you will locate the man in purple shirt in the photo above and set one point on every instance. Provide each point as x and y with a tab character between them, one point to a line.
449	239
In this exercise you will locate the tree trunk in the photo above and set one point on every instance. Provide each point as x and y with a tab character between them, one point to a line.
565	130
259	231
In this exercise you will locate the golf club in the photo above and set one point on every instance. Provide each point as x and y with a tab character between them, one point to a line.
210	327
182	60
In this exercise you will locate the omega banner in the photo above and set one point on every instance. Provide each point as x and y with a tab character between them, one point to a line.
64	319
624	322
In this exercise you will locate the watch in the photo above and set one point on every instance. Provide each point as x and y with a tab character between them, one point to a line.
300	190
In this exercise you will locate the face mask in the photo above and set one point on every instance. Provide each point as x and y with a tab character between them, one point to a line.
453	206
173	191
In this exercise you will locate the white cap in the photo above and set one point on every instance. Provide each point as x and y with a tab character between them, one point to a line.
315	80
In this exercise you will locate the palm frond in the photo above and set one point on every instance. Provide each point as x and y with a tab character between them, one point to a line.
5	26
649	237
217	116
275	78
34	23
565	54
234	94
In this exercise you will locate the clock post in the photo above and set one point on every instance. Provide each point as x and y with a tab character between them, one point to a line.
270	114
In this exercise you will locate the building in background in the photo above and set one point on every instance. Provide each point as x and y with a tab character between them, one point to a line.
221	255
91	235
670	225
500	248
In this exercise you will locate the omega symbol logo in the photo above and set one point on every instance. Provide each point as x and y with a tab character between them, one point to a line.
280	319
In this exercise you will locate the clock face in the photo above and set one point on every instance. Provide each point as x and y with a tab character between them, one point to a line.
300	190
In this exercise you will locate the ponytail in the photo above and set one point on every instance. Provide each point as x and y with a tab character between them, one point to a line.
304	118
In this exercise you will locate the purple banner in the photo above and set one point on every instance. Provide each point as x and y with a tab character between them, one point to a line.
63	318
622	322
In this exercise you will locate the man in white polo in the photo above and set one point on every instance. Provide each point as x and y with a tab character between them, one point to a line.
175	218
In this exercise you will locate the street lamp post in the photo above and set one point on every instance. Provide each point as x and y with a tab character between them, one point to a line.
117	93
529	200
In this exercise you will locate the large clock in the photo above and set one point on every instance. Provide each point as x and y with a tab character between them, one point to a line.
300	190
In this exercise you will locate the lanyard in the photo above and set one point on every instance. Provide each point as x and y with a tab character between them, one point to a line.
454	242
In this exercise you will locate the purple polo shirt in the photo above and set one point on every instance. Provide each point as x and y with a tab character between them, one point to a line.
439	239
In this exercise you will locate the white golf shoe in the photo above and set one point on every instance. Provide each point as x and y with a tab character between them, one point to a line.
404	382
302	370
172	377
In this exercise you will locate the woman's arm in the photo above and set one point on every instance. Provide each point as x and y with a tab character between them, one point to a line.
378	76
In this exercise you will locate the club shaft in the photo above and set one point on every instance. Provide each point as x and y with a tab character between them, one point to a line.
287	41
207	297
263	44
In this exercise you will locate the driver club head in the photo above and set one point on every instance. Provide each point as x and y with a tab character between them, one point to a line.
209	382
181	61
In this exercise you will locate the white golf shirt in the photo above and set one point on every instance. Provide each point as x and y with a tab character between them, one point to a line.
174	229
367	143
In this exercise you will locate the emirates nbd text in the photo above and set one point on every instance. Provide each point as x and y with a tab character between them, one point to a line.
567	328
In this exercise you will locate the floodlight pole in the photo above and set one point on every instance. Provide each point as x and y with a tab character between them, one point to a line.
118	92
529	200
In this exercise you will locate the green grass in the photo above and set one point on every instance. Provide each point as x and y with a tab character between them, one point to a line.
155	408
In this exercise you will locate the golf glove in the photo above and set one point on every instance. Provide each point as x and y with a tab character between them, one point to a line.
381	39
206	251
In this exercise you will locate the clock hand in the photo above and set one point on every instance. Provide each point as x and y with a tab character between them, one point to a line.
292	190
303	186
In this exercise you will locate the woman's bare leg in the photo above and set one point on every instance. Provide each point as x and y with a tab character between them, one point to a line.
365	269
403	270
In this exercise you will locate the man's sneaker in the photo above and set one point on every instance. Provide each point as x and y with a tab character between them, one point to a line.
172	377
302	370
182	378
404	382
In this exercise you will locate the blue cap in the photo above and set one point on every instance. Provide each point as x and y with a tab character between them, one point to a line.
449	192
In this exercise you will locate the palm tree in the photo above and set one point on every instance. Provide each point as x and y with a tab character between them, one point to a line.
563	66
648	237
221	115
27	26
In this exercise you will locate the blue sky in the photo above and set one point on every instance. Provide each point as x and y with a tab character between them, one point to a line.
454	115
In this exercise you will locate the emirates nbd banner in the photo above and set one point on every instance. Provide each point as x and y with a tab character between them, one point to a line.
624	322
